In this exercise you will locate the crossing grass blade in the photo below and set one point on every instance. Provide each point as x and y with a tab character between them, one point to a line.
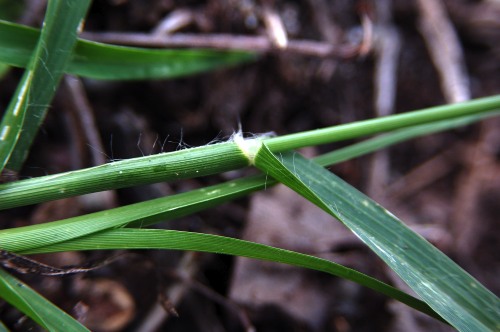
91	230
61	235
454	294
138	215
35	306
182	164
111	62
383	124
4	69
45	65
188	163
179	240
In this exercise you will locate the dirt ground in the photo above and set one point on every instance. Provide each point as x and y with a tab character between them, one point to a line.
407	55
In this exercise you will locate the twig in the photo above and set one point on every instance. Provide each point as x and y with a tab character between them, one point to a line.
424	174
174	21
85	115
188	267
480	174
322	19
386	46
445	50
223	301
367	41
275	27
387	52
258	44
33	12
25	265
329	31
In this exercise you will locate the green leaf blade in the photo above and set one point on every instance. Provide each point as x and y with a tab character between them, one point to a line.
382	124
179	240
45	68
18	43
185	164
36	306
137	215
447	288
182	164
13	120
112	62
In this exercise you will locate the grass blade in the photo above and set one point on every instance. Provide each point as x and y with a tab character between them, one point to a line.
179	240
36	306
3	328
182	164
139	214
61	234
32	237
13	120
447	288
382	124
111	62
45	68
397	136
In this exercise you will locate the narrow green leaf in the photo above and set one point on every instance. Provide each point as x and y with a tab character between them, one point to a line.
36	306
3	328
447	288
161	209
28	107
13	120
180	164
398	136
11	10
4	69
31	238
18	43
179	240
382	124
139	214
183	164
111	62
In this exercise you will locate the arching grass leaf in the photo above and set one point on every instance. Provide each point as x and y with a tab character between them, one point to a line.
447	288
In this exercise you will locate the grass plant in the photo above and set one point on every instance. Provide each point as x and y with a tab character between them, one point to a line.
446	292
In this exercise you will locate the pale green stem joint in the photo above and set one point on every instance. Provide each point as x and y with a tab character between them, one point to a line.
249	146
